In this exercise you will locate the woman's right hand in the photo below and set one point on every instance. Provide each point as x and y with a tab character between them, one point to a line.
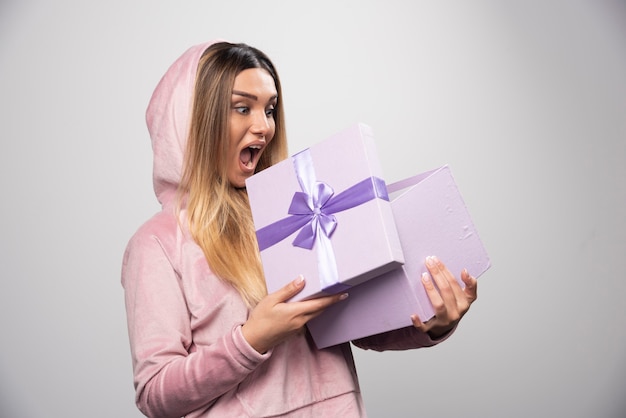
274	319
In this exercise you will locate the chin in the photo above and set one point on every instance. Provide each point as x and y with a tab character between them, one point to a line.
239	183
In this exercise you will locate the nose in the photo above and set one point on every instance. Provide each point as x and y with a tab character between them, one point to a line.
260	124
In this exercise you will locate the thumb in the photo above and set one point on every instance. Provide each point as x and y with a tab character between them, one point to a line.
290	289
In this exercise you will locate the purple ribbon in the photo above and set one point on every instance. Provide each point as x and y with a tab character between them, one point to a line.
311	213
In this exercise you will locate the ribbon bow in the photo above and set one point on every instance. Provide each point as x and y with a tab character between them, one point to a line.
312	206
311	214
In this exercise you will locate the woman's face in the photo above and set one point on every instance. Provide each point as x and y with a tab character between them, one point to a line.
252	122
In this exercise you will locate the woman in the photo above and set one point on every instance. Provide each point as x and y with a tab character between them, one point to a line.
206	339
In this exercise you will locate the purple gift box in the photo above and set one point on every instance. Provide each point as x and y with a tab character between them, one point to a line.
432	219
325	213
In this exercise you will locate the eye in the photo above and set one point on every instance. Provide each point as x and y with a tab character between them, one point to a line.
244	110
270	112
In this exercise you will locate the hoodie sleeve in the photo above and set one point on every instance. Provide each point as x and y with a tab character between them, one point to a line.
171	376
399	339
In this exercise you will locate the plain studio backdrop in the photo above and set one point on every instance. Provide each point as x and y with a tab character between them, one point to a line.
526	101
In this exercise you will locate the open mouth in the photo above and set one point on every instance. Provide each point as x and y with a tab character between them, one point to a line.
249	156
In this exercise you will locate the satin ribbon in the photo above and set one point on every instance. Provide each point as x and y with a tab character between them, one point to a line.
311	213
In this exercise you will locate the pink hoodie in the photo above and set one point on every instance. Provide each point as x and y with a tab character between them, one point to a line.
189	355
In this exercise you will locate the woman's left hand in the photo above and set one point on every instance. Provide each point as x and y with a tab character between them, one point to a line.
450	302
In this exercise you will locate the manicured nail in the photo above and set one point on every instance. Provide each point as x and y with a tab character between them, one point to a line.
425	277
299	280
343	296
430	261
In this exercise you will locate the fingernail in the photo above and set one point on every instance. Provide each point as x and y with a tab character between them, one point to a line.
425	277
300	280
430	261
343	296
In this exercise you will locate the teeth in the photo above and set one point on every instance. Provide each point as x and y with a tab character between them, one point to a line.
255	146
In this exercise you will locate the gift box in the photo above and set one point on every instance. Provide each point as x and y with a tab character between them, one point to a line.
325	213
432	219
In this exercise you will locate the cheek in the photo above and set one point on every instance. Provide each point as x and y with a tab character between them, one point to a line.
235	127
272	129
235	136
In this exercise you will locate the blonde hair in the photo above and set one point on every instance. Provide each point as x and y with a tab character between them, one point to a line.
218	214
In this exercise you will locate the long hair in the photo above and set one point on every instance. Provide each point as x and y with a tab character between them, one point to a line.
218	214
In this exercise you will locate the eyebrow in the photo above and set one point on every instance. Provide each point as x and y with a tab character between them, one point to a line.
252	96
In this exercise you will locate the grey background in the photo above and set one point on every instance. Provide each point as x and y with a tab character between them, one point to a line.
524	99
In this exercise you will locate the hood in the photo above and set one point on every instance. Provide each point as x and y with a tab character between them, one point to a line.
168	117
